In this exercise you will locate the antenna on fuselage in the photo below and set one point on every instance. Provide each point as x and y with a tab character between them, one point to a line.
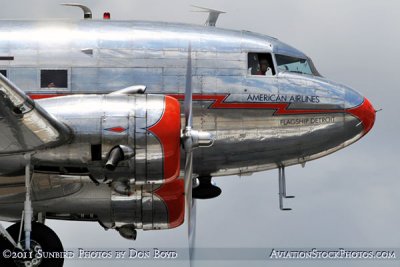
212	15
87	13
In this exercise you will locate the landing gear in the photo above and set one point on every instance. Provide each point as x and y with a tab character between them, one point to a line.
28	211
205	189
282	188
42	240
25	243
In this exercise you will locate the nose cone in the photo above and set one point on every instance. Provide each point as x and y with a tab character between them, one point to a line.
365	113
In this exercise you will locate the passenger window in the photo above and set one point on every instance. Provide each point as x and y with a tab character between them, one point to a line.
260	64
4	72
54	79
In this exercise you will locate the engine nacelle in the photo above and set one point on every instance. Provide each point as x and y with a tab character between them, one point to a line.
162	208
148	207
132	139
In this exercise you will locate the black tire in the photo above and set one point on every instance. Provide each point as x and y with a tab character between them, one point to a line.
42	235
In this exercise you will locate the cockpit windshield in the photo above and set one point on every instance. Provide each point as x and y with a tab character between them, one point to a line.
296	65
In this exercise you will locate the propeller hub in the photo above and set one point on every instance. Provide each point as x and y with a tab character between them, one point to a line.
193	139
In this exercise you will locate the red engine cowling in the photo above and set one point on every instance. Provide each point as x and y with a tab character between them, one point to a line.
156	201
128	139
168	131
151	131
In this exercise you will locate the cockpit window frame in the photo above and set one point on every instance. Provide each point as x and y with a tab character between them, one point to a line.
313	68
272	64
314	71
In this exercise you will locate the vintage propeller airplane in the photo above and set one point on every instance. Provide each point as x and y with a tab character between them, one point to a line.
90	121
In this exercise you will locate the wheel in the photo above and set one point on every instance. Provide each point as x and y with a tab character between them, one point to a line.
42	239
206	189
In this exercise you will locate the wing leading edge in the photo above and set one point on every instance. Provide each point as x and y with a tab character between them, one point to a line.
24	125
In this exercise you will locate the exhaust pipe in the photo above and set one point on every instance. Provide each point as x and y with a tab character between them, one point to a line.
118	154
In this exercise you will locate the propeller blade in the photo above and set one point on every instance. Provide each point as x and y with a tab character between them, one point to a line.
192	229
190	140
188	186
188	90
187	139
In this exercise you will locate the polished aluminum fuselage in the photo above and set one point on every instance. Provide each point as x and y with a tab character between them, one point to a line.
104	56
256	123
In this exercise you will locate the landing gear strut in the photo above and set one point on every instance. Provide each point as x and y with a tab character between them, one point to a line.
28	211
282	188
205	189
42	239
29	240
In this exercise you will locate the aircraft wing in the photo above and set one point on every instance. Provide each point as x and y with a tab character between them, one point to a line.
24	125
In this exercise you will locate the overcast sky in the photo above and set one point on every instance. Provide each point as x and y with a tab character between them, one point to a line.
348	199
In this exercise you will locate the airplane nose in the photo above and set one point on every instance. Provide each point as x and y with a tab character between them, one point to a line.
365	113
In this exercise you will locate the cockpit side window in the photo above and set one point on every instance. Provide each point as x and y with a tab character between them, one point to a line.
54	79
260	64
295	65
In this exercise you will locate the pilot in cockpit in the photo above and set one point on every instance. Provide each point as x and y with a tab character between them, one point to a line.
264	68
260	64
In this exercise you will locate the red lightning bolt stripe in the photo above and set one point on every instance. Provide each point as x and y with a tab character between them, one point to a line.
219	103
280	108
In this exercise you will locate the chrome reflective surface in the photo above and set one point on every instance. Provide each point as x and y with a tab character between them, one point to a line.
77	198
108	121
258	122
25	127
